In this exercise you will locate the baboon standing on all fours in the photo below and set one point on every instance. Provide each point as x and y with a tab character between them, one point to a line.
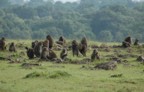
63	54
12	47
51	42
45	53
75	48
2	44
95	55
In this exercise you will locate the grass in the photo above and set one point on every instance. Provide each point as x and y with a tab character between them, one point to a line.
52	77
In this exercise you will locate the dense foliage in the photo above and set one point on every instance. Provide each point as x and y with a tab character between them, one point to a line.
102	20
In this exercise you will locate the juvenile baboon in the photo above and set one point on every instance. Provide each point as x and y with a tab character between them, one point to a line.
127	42
30	52
61	41
2	44
95	55
45	53
136	42
52	55
50	41
12	47
63	54
75	48
38	49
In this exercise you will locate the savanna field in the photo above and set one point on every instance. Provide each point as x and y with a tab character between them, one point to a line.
74	75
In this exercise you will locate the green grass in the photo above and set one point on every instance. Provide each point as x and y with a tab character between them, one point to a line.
52	77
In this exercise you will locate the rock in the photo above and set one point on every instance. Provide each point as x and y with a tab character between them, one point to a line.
107	66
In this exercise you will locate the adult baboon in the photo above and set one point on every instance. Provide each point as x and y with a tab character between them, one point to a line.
75	48
83	49
2	44
50	41
52	55
127	42
34	43
95	55
136	42
45	53
63	54
38	49
84	41
61	41
30	52
46	43
12	47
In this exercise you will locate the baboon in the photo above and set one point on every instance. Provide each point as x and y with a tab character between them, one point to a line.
38	49
34	43
75	48
2	44
45	53
50	41
30	52
84	41
52	55
127	42
136	42
95	55
61	41
12	47
63	54
83	49
46	43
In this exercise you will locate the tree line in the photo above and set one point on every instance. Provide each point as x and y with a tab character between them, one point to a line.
101	20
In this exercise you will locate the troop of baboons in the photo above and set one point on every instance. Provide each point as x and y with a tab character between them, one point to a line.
44	49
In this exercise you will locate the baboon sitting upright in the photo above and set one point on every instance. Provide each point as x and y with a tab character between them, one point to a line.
50	41
136	42
38	49
75	48
83	46
52	55
127	42
63	54
61	41
83	49
12	47
45	53
84	41
30	52
2	44
95	55
34	44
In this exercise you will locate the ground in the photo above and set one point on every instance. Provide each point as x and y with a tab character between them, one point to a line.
68	77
